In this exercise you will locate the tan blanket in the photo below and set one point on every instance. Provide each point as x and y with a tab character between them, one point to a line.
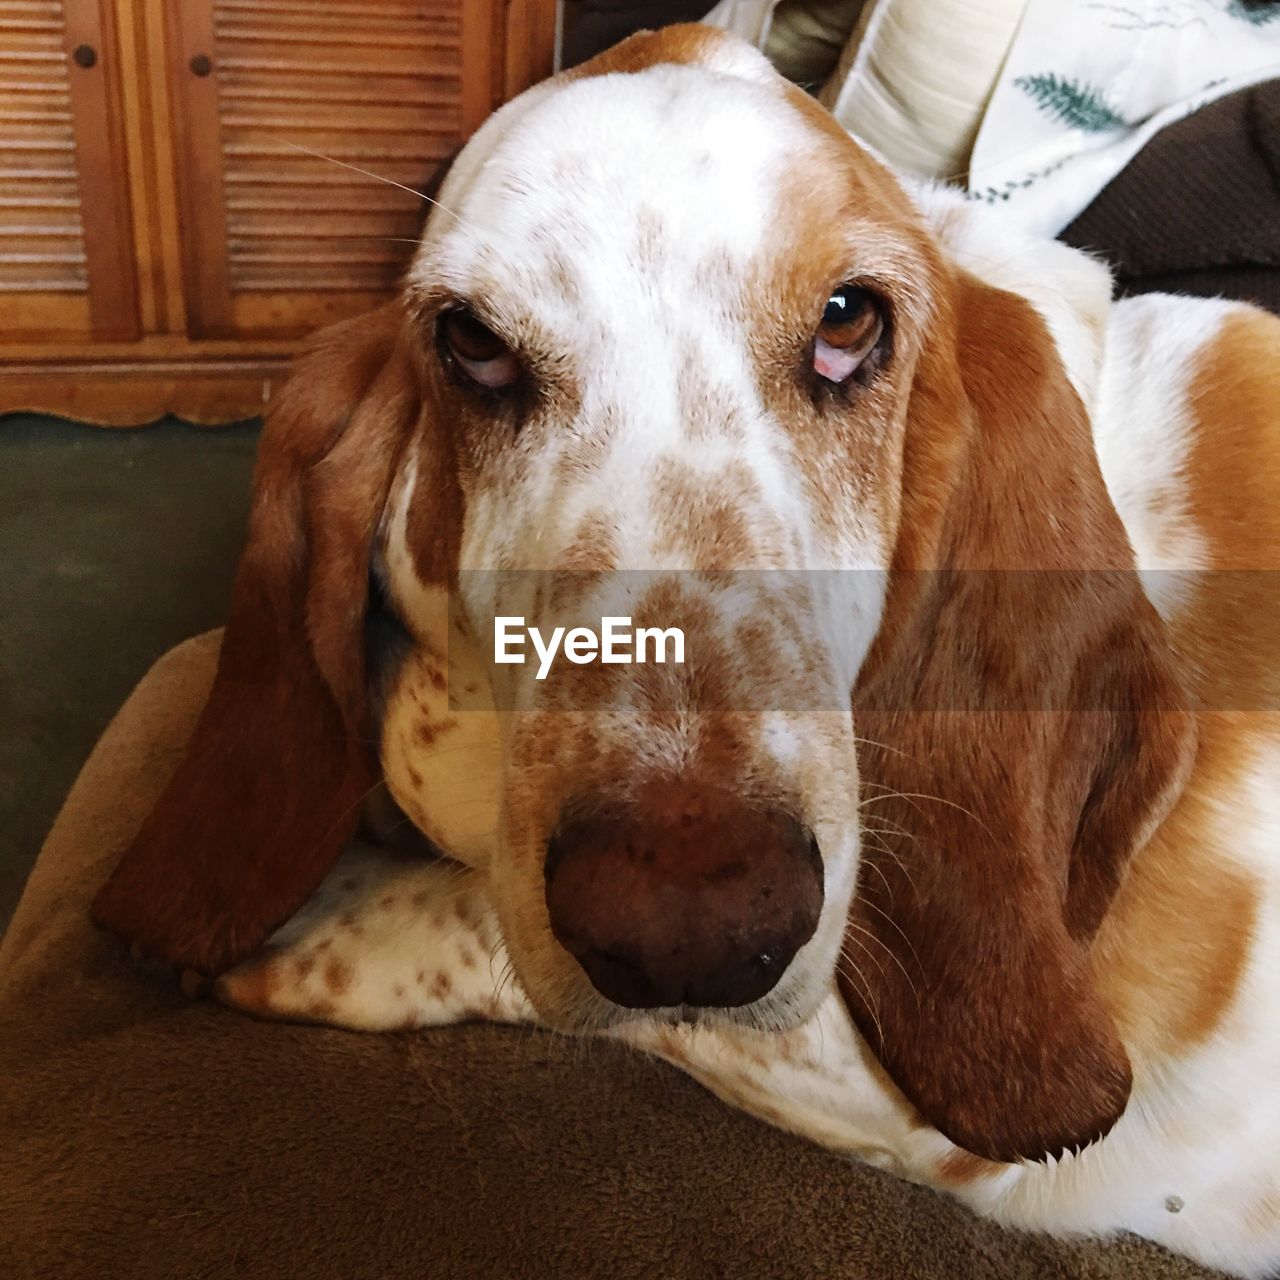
144	1135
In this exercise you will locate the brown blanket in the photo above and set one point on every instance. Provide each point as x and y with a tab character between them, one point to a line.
144	1135
1197	210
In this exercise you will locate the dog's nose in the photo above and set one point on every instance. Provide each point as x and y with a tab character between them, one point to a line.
690	902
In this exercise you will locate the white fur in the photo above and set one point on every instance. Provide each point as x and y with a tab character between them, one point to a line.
1144	430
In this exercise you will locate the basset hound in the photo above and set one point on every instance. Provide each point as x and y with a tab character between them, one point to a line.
954	841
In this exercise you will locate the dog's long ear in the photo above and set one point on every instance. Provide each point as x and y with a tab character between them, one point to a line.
272	781
1024	732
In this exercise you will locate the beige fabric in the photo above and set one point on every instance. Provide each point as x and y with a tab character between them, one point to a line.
913	78
143	1135
806	37
749	19
916	75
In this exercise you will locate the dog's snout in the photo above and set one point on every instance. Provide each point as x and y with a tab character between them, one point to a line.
697	903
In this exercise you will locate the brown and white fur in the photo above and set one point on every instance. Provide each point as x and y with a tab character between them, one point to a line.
1022	691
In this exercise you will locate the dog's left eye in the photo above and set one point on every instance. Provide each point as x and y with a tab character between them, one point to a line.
478	351
852	326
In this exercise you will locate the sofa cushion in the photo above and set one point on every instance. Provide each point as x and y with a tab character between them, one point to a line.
146	1135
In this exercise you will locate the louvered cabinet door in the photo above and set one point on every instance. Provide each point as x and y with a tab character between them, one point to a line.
299	126
67	268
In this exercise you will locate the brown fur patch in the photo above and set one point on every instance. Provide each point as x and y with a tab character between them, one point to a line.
650	234
427	732
586	453
1231	634
961	1168
1169	957
1264	1216
706	411
253	989
712	529
563	278
337	976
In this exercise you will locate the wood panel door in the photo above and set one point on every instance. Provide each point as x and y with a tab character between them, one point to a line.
304	129
67	268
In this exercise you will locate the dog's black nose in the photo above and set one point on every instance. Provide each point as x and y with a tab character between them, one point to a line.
692	902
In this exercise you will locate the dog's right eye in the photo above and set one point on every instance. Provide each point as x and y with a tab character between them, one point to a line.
853	326
481	355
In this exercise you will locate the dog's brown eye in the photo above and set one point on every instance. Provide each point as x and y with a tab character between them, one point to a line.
479	352
852	325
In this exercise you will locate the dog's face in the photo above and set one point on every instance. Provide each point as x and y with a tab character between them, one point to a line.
669	320
674	348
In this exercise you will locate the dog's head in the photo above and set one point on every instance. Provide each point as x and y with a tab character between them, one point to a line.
674	348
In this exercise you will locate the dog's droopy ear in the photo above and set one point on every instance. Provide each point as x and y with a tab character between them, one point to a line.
273	778
1023	732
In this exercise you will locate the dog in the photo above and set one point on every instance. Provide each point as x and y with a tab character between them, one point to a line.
954	842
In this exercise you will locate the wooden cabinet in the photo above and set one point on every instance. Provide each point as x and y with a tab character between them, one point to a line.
66	262
187	187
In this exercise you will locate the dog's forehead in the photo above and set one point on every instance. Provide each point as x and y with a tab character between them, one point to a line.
657	173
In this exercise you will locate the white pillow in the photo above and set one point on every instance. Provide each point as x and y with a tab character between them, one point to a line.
916	76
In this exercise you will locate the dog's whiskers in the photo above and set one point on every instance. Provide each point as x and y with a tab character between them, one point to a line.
855	974
924	795
884	879
887	827
915	955
879	843
368	173
893	955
